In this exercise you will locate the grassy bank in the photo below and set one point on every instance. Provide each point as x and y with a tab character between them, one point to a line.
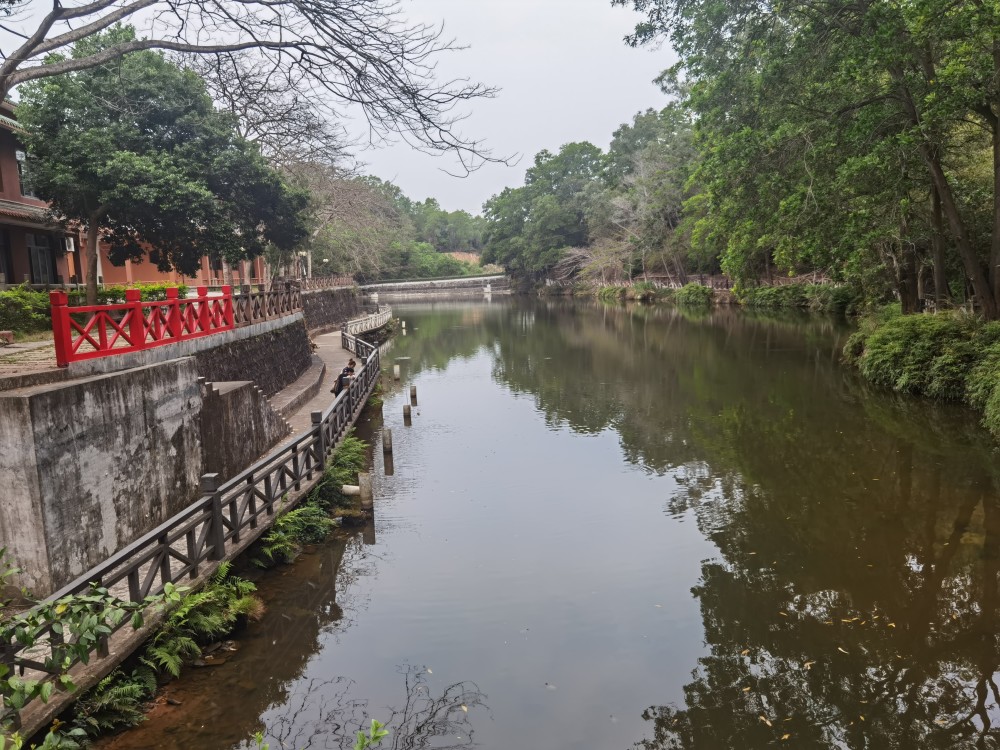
826	298
948	356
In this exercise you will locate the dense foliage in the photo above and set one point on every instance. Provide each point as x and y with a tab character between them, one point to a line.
136	148
952	357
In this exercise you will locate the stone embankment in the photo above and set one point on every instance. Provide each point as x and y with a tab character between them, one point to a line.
427	288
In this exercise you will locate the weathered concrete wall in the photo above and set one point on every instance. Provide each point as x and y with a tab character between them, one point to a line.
273	358
238	426
325	310
89	465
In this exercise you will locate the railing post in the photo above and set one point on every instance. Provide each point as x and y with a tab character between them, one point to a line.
174	324
317	425
136	320
203	322
227	306
60	326
217	534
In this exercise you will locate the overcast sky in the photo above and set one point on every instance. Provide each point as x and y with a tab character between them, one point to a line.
565	75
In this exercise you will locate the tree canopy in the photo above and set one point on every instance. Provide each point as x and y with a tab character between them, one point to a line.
133	151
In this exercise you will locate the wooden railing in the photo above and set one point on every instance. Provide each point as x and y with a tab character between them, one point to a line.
220	524
92	331
370	322
254	307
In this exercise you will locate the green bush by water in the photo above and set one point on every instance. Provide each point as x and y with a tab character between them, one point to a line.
694	295
834	298
947	356
312	521
115	295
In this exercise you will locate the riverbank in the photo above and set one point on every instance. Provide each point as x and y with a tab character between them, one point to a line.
815	297
948	356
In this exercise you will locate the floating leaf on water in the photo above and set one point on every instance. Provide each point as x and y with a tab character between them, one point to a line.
465	708
430	671
842	650
892	624
746	690
765	720
783	614
744	652
658	606
808	664
785	736
861	716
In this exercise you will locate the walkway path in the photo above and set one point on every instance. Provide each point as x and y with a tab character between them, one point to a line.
335	358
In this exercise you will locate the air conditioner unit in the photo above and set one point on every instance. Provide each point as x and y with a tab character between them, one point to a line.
69	244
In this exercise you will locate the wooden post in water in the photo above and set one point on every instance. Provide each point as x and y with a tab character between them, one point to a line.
406	415
395	372
387	440
390	467
413	395
365	483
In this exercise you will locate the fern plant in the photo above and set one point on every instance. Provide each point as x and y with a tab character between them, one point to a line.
115	702
201	617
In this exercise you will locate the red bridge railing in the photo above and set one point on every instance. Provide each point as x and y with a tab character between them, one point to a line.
92	331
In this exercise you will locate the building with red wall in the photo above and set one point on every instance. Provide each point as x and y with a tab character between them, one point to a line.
36	250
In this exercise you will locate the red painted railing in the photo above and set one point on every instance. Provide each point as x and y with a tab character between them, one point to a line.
93	331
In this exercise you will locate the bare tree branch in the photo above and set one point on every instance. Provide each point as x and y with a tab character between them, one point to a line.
357	52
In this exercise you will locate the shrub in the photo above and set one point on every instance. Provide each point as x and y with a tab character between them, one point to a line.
115	295
611	293
835	298
307	524
25	311
694	295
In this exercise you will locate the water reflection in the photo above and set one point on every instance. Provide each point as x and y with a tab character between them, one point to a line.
698	525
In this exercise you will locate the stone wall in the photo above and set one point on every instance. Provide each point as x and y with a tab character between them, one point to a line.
325	310
87	466
272	358
238	426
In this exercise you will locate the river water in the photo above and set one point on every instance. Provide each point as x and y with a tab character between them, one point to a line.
610	528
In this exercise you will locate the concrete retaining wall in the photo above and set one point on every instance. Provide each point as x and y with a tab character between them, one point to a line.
238	426
326	309
273	355
86	466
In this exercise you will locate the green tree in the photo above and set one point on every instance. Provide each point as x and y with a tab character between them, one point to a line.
134	152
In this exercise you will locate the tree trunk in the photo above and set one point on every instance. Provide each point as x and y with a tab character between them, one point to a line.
907	277
942	295
973	268
93	238
994	271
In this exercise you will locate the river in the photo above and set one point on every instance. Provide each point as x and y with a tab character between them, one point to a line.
609	528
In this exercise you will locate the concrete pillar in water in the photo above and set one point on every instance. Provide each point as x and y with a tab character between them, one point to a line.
350	490
404	324
390	467
406	414
395	372
368	533
365	484
413	395
386	440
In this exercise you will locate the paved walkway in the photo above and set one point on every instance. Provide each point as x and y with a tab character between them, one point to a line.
27	357
329	350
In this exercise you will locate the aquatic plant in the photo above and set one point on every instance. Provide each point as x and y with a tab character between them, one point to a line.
694	295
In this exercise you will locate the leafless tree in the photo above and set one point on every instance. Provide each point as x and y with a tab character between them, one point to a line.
359	52
278	108
353	223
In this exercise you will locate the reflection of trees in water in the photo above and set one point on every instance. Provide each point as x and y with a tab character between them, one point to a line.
322	714
855	604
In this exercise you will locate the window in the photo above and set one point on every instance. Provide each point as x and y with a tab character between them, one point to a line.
22	174
43	261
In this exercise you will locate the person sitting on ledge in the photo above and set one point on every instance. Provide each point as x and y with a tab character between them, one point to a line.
344	379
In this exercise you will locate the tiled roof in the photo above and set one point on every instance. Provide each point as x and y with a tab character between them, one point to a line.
23	212
9	123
